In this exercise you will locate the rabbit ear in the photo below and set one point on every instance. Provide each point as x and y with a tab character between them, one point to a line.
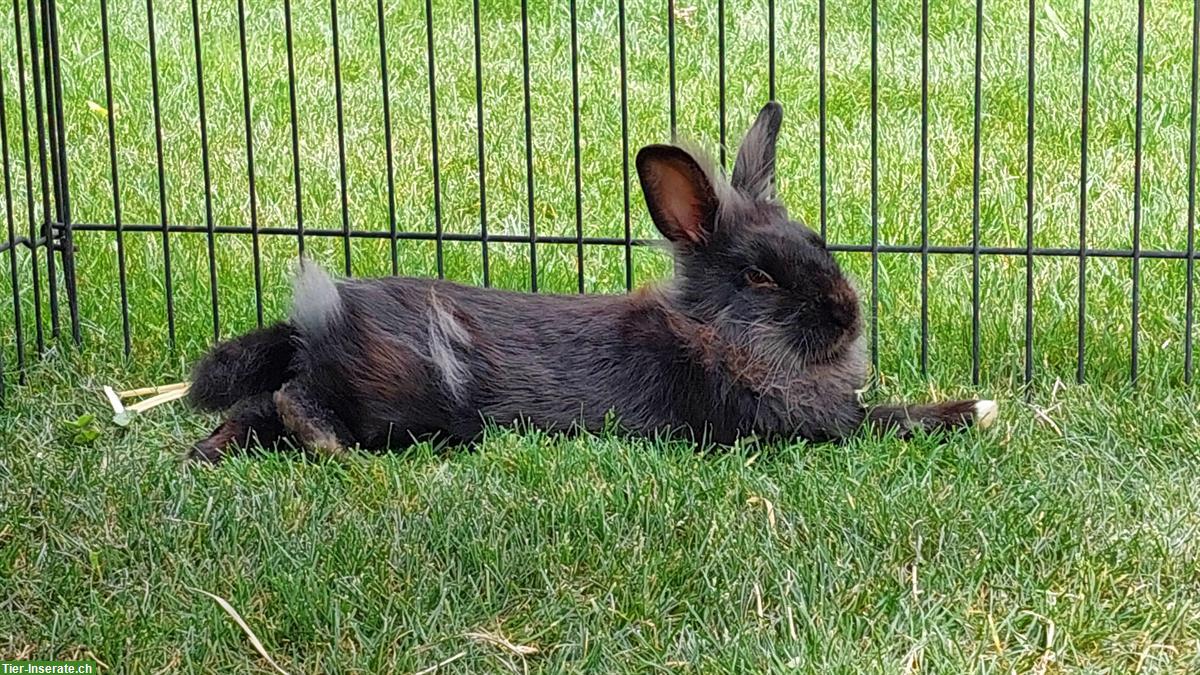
754	171
678	193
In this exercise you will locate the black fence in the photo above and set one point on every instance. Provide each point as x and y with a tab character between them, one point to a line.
47	201
45	241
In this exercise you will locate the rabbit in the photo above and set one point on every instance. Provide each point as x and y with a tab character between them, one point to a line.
759	334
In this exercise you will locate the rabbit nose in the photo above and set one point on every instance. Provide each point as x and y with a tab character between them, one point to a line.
843	303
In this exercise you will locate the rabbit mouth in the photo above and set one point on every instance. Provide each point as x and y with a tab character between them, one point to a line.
830	345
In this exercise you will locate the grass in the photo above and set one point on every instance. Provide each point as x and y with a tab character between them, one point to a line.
1065	540
1061	541
1056	169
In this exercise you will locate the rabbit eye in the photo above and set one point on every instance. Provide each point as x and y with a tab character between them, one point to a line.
758	278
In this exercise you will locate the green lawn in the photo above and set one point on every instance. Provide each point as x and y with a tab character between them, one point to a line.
1065	539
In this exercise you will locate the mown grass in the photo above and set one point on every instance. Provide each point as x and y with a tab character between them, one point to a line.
1063	540
950	169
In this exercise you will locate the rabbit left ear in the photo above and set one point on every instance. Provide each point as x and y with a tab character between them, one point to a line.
754	171
681	200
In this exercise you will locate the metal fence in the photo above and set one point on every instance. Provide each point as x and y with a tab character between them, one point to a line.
47	201
40	170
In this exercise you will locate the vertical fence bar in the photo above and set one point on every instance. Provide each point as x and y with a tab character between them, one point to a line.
625	147
30	203
1191	223
823	142
210	229
162	184
14	280
976	152
529	205
291	67
483	220
1085	85
114	175
1137	194
40	125
387	134
341	133
54	124
721	77
62	172
575	136
433	131
924	187
771	49
875	184
671	63
250	178
1029	199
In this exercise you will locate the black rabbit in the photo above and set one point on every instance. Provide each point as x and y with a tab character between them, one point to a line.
759	333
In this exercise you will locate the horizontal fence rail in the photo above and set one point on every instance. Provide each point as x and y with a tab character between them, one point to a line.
616	241
1016	195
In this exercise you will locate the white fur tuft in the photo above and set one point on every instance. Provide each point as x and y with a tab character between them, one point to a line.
446	335
986	413
315	300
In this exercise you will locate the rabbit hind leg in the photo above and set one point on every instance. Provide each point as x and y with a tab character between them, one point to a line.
253	421
313	425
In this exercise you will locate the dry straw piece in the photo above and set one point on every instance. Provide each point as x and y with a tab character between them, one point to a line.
237	618
158	395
